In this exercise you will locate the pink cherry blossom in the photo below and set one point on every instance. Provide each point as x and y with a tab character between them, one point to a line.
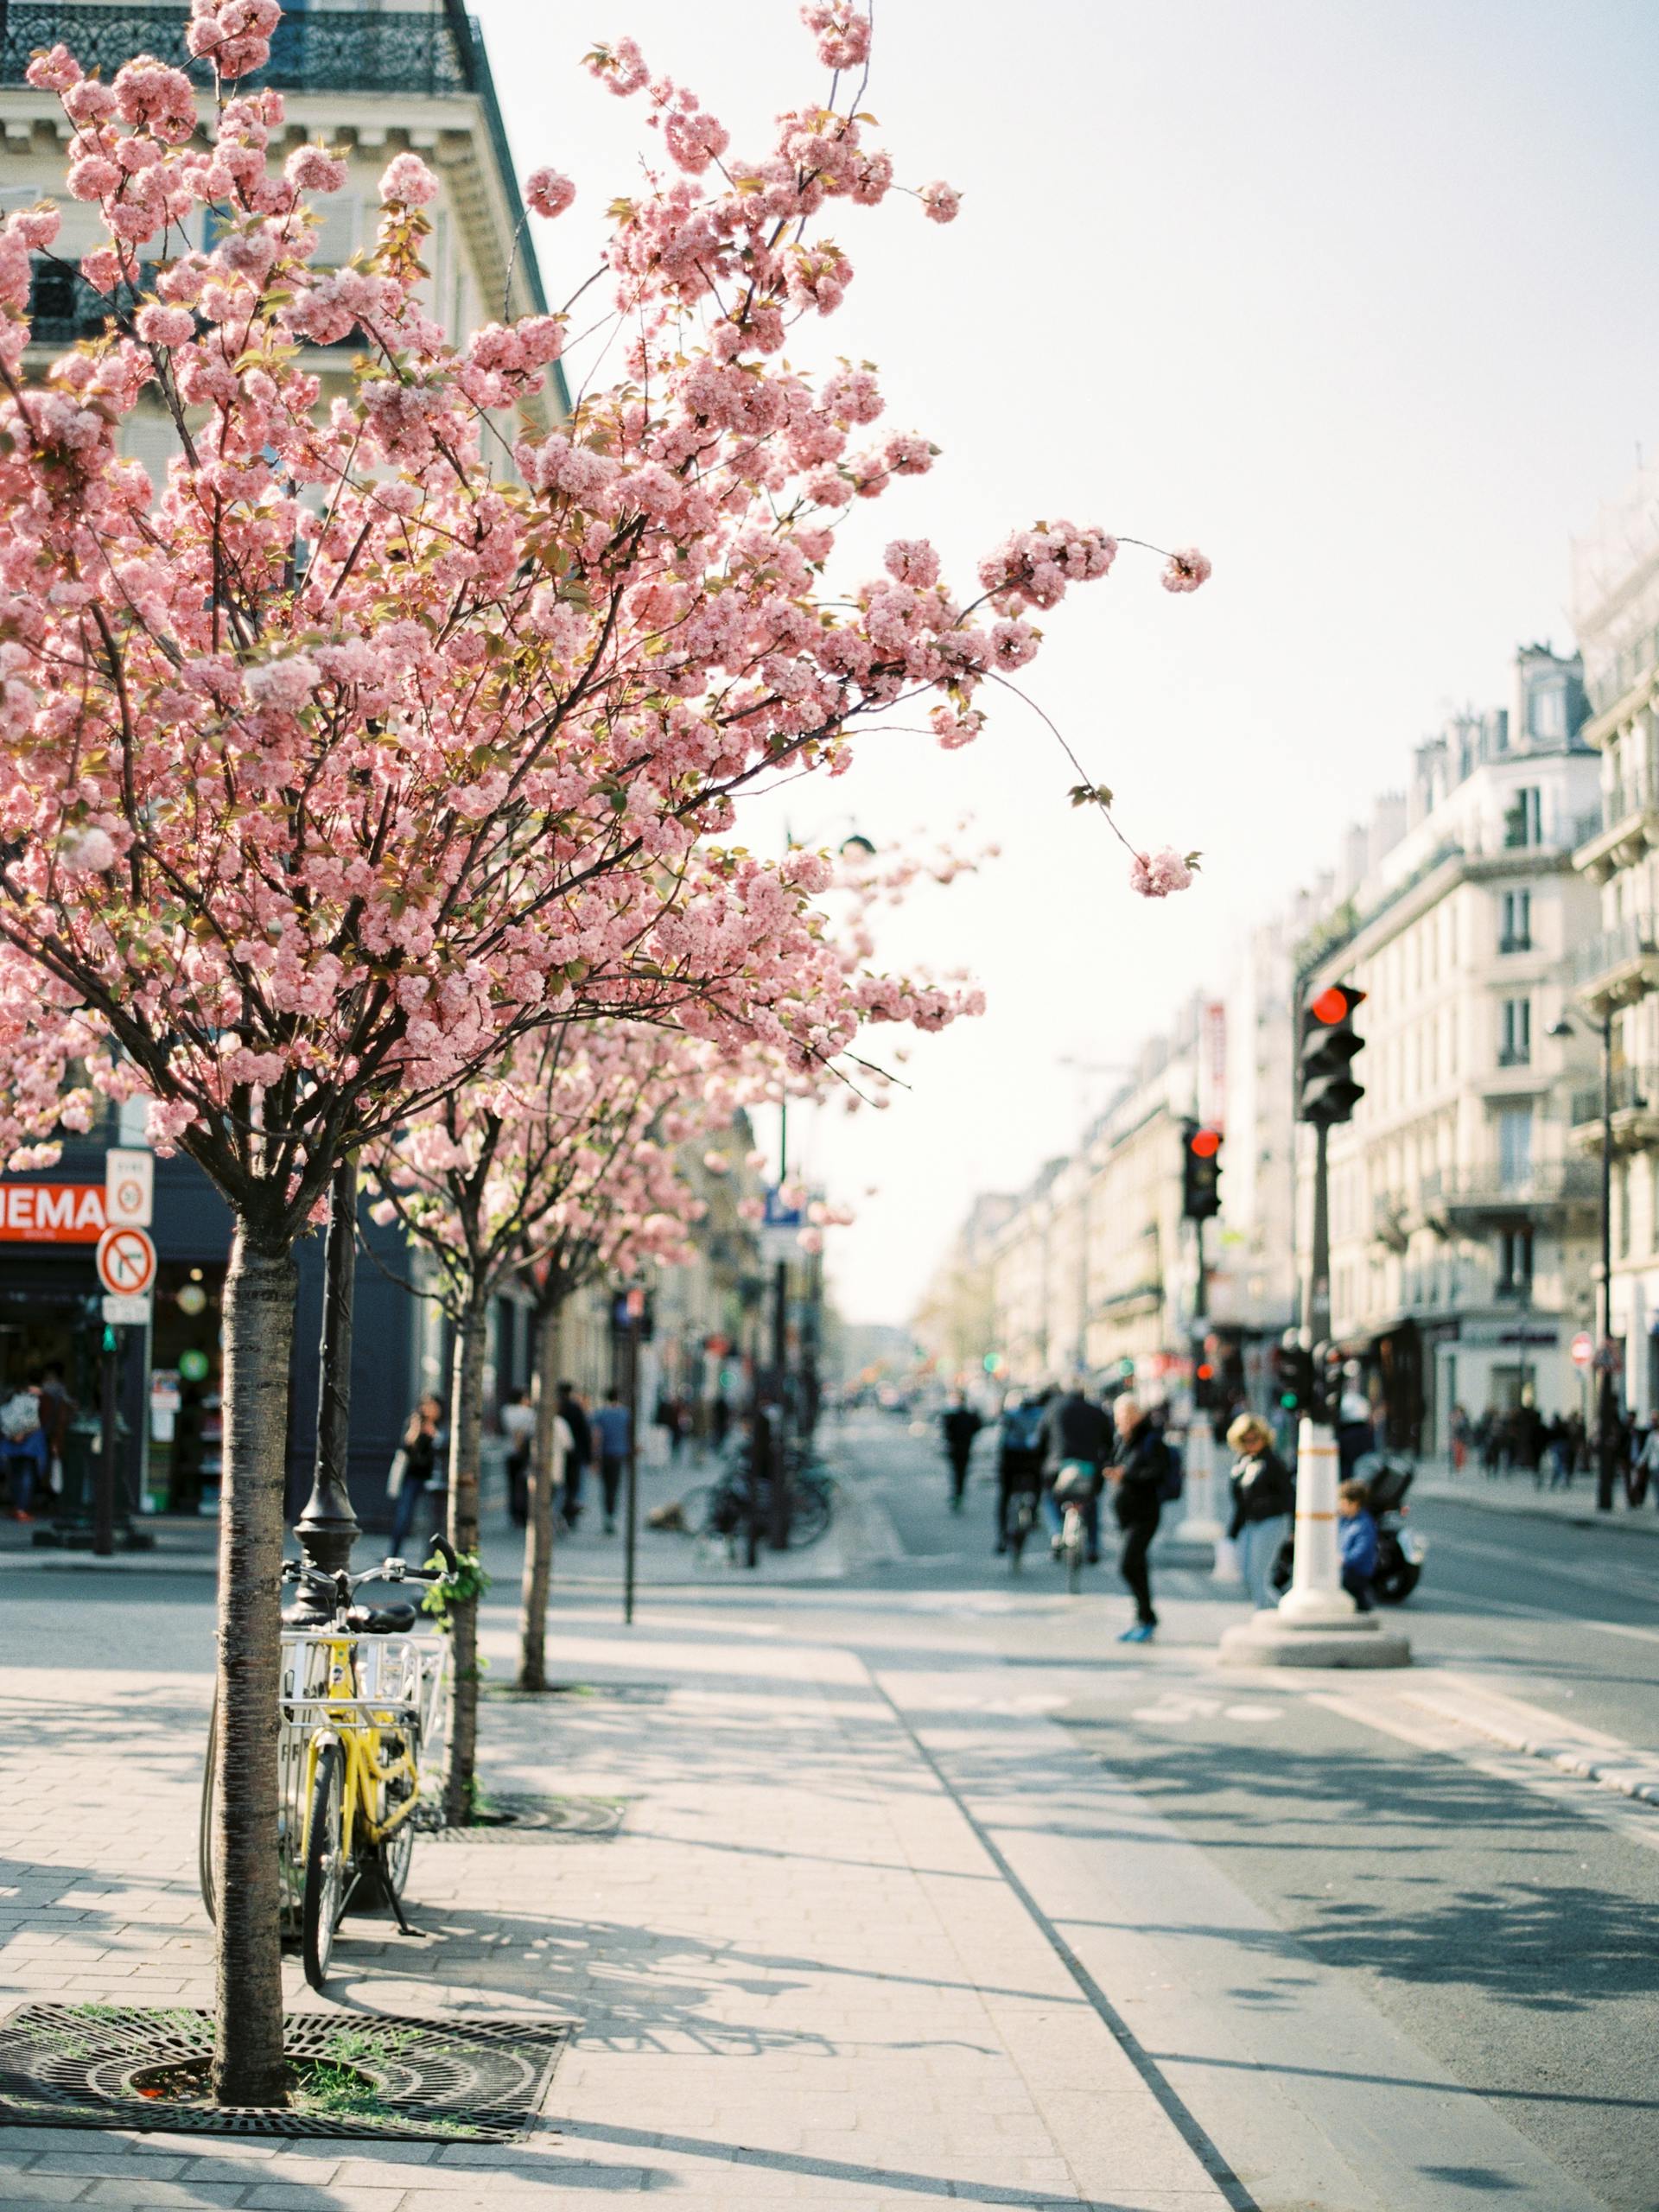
1155	875
1186	570
549	194
942	203
407	180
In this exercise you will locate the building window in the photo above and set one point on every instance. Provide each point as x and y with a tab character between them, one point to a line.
1621	1209
1516	935
1515	1264
1515	1146
1547	712
1515	1034
1523	823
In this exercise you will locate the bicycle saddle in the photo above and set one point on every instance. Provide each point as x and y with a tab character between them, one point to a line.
381	1620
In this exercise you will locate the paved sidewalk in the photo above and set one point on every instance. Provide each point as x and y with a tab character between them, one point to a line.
1517	1493
799	1977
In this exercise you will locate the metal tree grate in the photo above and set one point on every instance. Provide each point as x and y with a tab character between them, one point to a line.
532	1819
425	2081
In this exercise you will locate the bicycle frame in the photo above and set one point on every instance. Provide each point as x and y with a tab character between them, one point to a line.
353	1689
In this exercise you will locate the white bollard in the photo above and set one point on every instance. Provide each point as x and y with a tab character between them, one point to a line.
1316	1623
1316	1593
1199	1521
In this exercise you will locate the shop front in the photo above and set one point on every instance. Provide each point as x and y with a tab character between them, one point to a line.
169	1372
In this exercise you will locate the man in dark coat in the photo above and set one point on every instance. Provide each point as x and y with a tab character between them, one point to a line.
1138	1477
961	1425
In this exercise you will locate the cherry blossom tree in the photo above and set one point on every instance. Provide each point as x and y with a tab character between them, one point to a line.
548	1167
394	726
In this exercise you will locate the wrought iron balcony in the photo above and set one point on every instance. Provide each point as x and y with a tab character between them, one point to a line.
395	52
1621	966
322	53
1455	1194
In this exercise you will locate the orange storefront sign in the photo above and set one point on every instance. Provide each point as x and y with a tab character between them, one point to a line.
51	1213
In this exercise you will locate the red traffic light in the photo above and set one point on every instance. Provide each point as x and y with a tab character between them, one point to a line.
1334	1004
1204	1143
1206	1373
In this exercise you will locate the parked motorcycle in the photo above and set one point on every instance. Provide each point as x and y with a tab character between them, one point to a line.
1400	1550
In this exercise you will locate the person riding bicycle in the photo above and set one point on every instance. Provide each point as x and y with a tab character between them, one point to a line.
1077	1442
1020	1455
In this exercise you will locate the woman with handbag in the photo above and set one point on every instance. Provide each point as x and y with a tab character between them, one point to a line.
419	1459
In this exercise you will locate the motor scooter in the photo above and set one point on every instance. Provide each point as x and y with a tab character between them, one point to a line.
1400	1551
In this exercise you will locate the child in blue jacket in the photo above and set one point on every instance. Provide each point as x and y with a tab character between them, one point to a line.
1357	1541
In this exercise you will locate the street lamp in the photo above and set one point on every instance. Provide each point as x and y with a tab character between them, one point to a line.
1606	1404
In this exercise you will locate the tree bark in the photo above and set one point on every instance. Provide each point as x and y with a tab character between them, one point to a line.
259	1316
539	1533
466	1415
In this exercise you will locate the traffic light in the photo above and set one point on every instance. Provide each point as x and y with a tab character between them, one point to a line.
1325	1089
1328	1381
1200	1171
1292	1377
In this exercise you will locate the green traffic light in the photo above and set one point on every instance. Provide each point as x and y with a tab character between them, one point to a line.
1287	1400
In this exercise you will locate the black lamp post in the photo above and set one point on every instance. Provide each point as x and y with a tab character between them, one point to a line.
1606	1400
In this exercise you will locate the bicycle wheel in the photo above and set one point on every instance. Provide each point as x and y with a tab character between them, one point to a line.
1073	1550
395	1856
205	1823
810	1516
324	1899
694	1508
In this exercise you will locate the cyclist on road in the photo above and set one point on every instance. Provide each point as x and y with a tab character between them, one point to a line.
1019	1457
1076	1434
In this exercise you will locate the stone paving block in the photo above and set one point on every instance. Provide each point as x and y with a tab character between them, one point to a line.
139	2192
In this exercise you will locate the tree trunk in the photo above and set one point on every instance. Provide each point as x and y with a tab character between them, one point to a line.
466	1415
538	1533
258	1318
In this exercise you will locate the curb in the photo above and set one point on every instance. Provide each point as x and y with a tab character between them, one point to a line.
1641	1521
1610	1768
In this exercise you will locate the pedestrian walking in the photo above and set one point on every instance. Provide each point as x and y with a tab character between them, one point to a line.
418	1468
518	1424
1558	1452
1460	1434
1644	1465
613	1430
1264	1499
1137	1476
1077	1436
1357	1542
22	1440
719	1420
580	1458
961	1425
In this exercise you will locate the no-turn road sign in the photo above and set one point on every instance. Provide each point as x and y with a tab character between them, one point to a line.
126	1261
1583	1350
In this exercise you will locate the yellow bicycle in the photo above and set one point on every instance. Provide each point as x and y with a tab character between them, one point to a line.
363	1705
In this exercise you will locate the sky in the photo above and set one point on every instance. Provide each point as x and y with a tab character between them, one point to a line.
1358	298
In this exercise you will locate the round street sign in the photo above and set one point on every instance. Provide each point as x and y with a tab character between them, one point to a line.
126	1261
1583	1350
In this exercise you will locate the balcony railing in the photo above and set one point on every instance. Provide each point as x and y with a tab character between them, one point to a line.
396	53
1495	1188
322	53
1636	1090
1632	940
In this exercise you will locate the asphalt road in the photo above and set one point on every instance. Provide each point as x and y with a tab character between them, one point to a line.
1510	1936
1502	1933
